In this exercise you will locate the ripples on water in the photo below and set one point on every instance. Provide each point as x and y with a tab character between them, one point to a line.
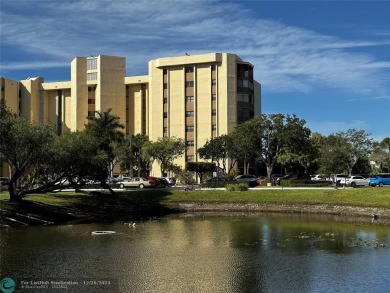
241	253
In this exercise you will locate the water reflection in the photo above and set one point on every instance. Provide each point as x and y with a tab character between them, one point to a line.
262	253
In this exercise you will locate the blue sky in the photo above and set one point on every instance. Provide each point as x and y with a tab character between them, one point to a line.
328	62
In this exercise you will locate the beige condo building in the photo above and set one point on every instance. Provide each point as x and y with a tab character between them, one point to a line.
195	97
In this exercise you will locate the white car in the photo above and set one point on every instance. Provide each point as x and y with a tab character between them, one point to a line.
318	178
136	182
340	179
356	181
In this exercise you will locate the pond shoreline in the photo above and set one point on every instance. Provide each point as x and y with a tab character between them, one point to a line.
366	214
34	214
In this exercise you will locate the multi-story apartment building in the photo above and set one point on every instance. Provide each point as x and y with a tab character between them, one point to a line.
195	98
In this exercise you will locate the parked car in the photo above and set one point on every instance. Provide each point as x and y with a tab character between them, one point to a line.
275	177
340	179
318	177
171	180
245	178
163	182
63	183
4	181
216	179
354	181
299	176
380	179
115	180
138	182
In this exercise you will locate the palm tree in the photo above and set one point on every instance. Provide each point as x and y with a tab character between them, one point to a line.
107	127
108	130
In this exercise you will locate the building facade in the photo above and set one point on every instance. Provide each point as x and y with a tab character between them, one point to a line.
195	98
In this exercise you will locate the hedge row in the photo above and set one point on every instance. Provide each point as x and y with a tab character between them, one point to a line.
284	182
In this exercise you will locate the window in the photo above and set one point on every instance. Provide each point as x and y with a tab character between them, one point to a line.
190	158
189	113
165	100
213	67
190	83
213	112
213	81
243	98
189	128
246	83
165	114
213	97
165	129
190	143
165	86
92	76
213	127
92	89
91	101
165	71
91	113
189	99
189	69
91	63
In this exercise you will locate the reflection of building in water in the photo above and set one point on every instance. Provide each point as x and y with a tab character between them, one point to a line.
207	255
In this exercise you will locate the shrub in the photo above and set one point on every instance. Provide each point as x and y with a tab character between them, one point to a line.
230	187
242	186
302	183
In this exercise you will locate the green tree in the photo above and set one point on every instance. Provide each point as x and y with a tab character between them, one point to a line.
381	154
333	157
221	150
200	168
297	147
284	138
78	153
107	128
124	153
359	146
138	142
164	150
129	153
247	140
316	142
25	146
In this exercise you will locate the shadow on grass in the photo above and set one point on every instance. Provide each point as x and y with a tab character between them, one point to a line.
94	206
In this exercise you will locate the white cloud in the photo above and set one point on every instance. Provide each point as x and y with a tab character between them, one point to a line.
286	58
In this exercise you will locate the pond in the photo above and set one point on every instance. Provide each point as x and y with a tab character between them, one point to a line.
201	253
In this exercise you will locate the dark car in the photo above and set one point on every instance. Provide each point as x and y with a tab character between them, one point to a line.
216	179
299	176
171	180
163	182
4	181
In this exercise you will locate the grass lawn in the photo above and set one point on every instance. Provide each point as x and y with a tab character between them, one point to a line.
363	197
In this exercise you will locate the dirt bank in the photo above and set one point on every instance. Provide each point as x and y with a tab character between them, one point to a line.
365	213
29	213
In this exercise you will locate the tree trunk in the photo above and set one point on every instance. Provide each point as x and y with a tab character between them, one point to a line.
13	196
269	170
